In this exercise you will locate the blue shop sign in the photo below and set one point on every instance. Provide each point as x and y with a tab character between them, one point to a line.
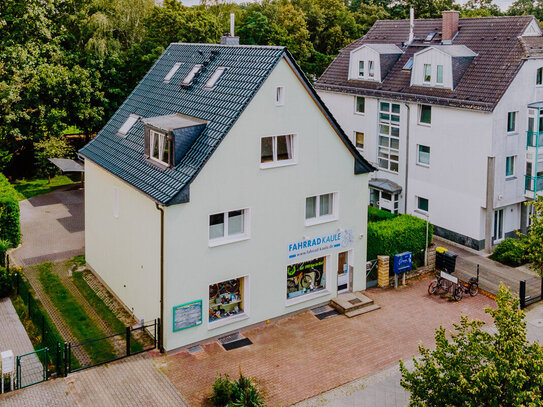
313	246
403	262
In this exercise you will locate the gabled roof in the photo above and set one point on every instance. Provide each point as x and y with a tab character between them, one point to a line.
248	68
454	51
496	41
383	48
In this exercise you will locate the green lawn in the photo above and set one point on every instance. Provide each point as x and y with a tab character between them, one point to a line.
29	188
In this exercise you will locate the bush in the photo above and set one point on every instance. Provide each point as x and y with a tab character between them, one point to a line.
222	391
10	229
377	215
511	252
239	393
6	282
4	246
404	233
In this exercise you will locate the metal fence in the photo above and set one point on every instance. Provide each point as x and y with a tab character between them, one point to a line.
31	368
530	291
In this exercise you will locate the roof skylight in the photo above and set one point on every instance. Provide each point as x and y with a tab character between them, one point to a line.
408	64
127	125
172	72
430	37
215	77
188	79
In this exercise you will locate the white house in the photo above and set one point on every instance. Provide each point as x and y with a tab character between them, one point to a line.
223	193
444	111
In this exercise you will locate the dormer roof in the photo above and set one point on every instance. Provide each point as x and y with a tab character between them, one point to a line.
455	51
383	48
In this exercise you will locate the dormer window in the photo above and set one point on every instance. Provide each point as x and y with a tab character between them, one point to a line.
427	73
372	62
215	78
190	77
439	75
539	77
160	147
361	69
371	71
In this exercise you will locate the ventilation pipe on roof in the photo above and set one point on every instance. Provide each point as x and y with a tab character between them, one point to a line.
230	38
449	26
411	25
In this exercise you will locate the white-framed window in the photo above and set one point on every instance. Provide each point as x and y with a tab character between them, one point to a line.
228	301
360	69
359	140
213	79
539	77
359	104
229	227
510	166
277	150
172	72
127	125
307	279
371	69
321	208
115	202
190	76
439	75
511	122
280	95
389	136
423	155
159	147
423	204
425	114
427	73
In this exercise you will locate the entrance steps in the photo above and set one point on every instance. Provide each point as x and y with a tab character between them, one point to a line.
353	304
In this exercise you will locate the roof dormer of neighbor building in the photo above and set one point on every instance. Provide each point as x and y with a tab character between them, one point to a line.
452	61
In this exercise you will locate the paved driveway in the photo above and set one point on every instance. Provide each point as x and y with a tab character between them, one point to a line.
52	226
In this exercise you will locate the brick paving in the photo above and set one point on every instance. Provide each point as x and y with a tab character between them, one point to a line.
12	332
299	357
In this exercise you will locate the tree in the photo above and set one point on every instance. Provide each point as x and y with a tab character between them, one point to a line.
478	368
534	241
52	147
480	8
527	7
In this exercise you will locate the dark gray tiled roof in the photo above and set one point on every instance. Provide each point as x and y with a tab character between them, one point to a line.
248	67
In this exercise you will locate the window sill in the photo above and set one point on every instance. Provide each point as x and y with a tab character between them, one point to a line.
321	220
387	170
360	150
511	178
423	165
424	124
158	163
228	320
359	113
512	133
276	164
421	212
227	240
307	297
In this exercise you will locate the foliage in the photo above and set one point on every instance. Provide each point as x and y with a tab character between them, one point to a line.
534	241
478	368
28	188
377	215
511	252
6	282
238	393
10	228
52	147
400	234
4	246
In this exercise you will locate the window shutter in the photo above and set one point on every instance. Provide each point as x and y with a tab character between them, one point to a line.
146	148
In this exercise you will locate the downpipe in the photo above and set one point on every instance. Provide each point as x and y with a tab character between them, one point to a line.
161	324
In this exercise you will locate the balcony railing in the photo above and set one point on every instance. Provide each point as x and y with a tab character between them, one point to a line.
533	184
534	139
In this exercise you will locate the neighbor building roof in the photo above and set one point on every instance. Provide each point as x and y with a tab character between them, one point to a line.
500	51
168	102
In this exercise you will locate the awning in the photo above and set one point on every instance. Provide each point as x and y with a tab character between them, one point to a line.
385	185
68	165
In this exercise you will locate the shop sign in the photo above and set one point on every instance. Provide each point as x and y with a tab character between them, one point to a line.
319	244
187	315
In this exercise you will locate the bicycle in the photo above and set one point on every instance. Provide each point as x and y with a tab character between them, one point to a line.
301	280
438	284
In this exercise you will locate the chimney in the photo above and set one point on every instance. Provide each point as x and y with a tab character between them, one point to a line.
230	38
411	25
449	26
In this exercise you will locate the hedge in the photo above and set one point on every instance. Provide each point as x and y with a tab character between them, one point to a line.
511	252
10	229
404	233
377	215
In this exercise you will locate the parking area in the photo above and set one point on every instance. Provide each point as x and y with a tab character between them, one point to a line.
301	356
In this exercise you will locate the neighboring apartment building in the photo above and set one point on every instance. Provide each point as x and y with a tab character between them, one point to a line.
449	112
223	193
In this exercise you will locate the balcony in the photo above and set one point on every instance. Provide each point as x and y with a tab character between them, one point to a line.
534	139
533	184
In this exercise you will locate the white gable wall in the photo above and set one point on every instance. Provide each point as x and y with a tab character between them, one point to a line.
365	54
434	58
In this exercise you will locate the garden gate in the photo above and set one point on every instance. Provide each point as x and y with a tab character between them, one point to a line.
530	291
31	368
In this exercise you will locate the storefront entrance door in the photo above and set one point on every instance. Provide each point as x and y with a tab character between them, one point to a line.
343	272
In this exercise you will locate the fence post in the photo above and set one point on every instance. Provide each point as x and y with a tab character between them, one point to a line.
522	294
28	302
155	338
17	372
159	334
17	277
57	361
66	356
127	341
46	365
42	331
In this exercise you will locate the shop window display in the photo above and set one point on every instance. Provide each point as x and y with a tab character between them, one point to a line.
225	299
307	277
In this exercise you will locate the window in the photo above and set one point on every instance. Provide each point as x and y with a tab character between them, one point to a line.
427	73
359	140
228	226
276	150
539	77
320	208
306	277
511	122
409	64
226	300
188	79
159	147
360	104
172	72
510	166
439	75
424	155
360	68
389	136
214	78
371	72
127	125
422	204
425	114
280	95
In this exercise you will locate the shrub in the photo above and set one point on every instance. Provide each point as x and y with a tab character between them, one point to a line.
10	228
511	252
404	233
239	393
6	282
222	391
4	246
377	215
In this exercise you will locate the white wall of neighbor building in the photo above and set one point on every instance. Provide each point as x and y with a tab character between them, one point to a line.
124	250
233	179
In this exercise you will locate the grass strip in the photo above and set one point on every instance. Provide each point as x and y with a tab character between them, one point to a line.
102	309
81	325
29	188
